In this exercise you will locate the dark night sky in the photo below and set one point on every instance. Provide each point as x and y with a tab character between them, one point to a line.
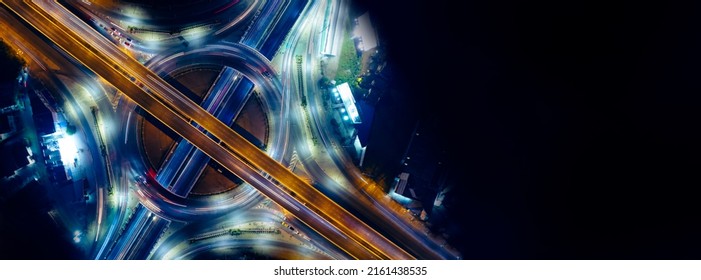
580	122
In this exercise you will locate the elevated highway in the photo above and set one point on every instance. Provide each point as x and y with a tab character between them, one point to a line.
235	153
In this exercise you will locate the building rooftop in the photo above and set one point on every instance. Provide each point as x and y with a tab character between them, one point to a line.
367	113
365	32
351	111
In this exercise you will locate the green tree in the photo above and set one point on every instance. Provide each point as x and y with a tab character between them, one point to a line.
348	62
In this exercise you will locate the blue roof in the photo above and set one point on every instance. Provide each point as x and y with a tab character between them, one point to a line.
367	112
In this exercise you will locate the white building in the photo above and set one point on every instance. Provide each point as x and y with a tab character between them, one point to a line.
365	33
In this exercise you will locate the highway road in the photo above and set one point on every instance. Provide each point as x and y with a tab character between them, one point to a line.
357	192
226	56
198	235
384	219
221	21
225	100
167	204
259	31
138	225
109	213
281	30
184	153
185	164
258	243
358	239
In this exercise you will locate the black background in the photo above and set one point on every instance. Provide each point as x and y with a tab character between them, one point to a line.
573	126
